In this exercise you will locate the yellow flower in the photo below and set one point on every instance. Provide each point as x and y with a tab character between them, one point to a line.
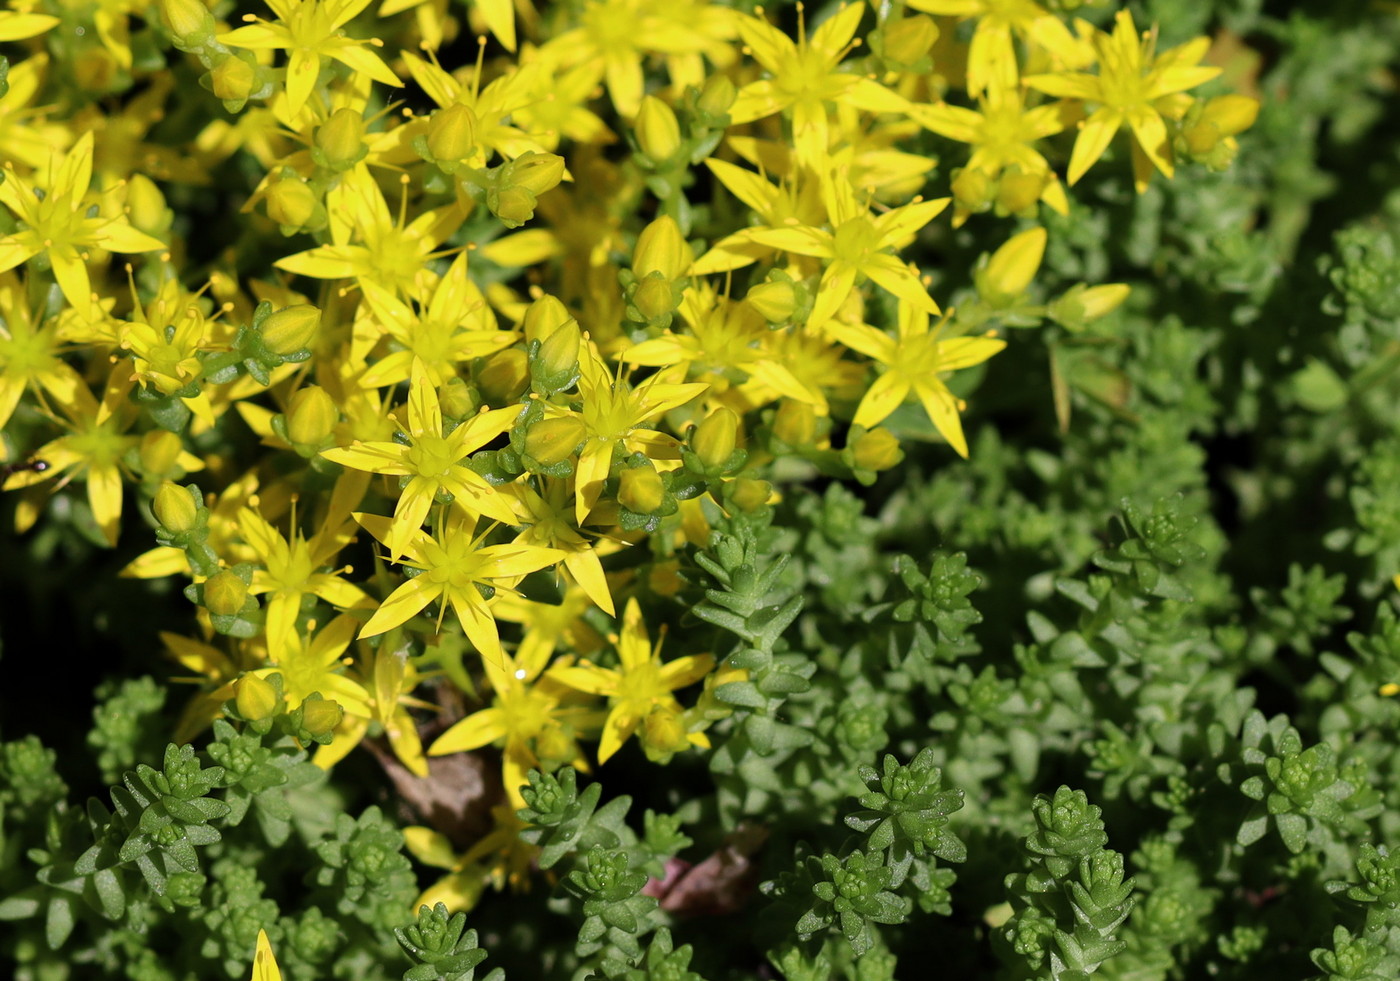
1131	79
613	412
309	667
307	30
857	249
57	223
30	353
451	567
547	522
805	78
992	56
913	362
639	689
433	463
499	859
289	567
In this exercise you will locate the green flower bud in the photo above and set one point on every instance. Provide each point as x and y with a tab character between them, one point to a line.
291	329
342	139
663	249
290	201
559	353
1019	192
457	399
714	440
311	416
657	129
255	698
654	297
543	317
640	490
513	205
533	172
189	21
775	301
663	732
320	716
795	423
717	96
553	440
160	451
503	377
908	41
972	189
750	495
876	450
232	79
225	594
175	509
452	133
146	205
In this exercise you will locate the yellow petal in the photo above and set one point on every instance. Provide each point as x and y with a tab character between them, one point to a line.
386	458
264	964
403	604
942	411
1094	136
476	730
430	847
885	395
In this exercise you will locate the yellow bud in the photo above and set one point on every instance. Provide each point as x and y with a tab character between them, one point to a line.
559	352
160	451
513	205
290	201
663	731
641	490
748	494
662	248
877	450
291	329
321	715
717	96
534	172
175	509
1231	114
972	189
555	744
908	40
189	20
775	301
503	377
716	437
544	317
452	133
341	139
1202	138
1019	192
256	699
795	423
233	79
146	205
1099	301
658	131
551	440
311	416
654	297
1013	266
225	594
1389	689
457	399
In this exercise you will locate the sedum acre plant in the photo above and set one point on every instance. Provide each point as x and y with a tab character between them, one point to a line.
630	491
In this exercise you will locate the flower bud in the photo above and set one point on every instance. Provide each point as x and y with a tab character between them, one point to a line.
555	744
341	139
640	490
553	440
559	353
877	450
503	376
662	248
457	399
311	416
534	172
232	79
189	21
160	451
714	440
291	202
256	698
749	495
717	96
1201	138
775	301
907	41
972	189
146	205
320	716
1013	266
657	129
1017	192
175	509
795	423
663	731
543	317
452	133
654	297
1231	114
291	329
513	205
225	593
